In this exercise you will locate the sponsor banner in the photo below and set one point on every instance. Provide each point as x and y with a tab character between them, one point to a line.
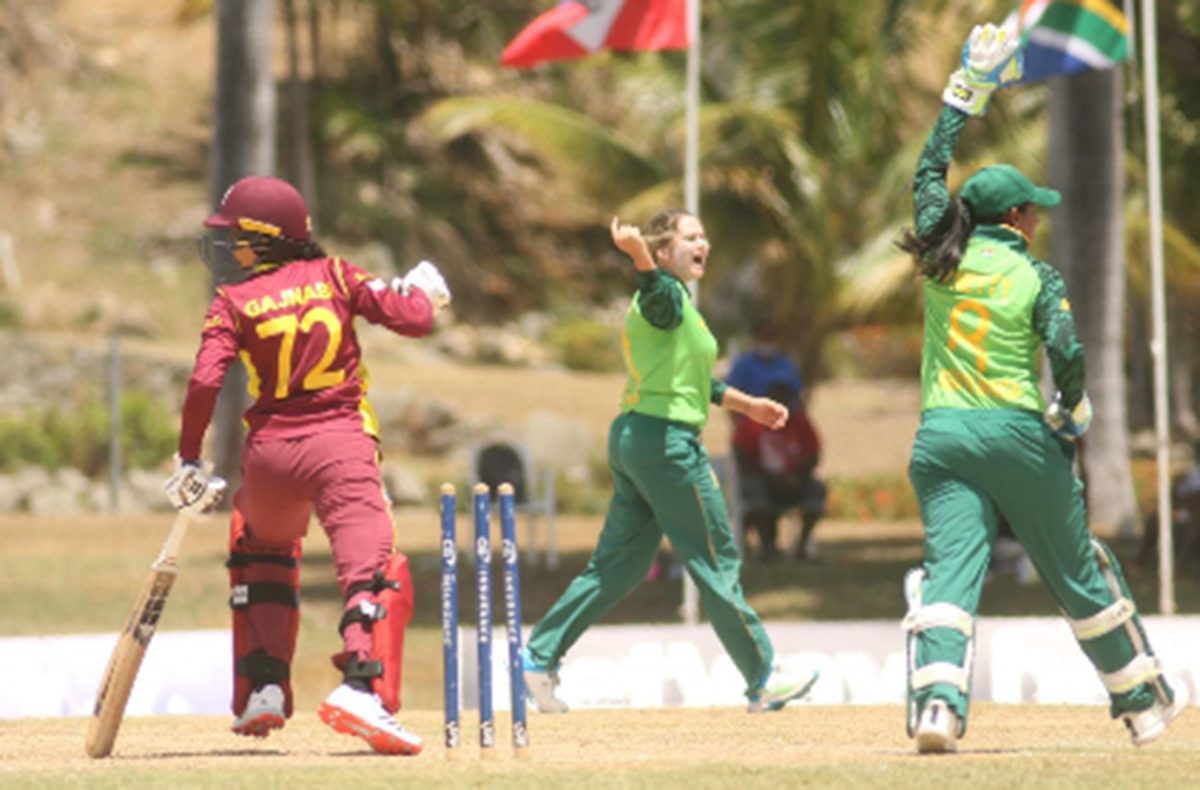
1017	660
182	672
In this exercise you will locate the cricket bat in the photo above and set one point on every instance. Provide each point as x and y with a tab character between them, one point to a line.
122	670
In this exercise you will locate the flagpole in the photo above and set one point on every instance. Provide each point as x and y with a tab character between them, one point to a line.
691	149
691	173
691	201
1158	345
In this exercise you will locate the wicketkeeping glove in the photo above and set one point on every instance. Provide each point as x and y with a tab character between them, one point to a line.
1073	423
991	59
190	489
426	277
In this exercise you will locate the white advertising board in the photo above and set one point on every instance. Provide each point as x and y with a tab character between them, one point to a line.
1018	660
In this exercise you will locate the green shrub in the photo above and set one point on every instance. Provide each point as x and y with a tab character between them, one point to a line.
588	498
77	435
586	345
149	430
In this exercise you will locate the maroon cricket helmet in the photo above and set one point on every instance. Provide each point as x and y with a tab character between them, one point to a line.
264	204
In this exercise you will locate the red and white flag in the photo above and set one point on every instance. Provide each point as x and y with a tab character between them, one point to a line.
575	28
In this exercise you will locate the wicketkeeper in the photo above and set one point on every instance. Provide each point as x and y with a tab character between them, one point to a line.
288	309
988	445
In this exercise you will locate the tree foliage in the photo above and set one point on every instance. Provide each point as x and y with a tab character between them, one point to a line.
811	121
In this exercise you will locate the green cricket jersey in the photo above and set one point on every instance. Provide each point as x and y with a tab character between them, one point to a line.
986	325
984	452
669	353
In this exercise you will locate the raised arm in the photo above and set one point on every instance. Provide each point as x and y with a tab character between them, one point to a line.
660	297
991	58
931	194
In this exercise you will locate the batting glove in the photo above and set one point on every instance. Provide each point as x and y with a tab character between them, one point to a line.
426	277
1069	423
991	59
190	489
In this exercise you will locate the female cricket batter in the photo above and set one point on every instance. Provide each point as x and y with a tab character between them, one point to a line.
987	445
287	309
662	480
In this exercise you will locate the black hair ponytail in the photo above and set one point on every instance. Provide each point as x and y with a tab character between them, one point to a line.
937	254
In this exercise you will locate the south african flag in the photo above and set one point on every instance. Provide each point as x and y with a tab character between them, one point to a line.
1065	36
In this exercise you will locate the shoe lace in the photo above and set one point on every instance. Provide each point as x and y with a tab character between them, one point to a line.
384	719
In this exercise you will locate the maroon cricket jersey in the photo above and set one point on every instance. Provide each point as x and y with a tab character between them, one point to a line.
294	329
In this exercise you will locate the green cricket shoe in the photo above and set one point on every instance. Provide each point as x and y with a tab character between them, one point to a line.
780	688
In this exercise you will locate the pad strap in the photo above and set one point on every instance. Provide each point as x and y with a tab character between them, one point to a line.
940	672
240	560
1101	554
243	595
261	669
362	670
1142	669
939	615
365	611
1107	619
378	584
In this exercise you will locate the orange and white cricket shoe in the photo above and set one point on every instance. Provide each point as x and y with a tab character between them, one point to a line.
361	714
263	713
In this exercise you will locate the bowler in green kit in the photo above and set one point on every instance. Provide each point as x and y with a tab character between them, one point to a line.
988	445
662	481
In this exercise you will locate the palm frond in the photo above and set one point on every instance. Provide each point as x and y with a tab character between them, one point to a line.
1181	252
874	277
602	161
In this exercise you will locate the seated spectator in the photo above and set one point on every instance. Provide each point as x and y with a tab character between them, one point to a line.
776	473
763	364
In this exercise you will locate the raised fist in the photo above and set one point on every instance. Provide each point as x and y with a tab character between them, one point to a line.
426	277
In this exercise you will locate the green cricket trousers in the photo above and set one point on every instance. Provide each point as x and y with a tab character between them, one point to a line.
969	465
662	485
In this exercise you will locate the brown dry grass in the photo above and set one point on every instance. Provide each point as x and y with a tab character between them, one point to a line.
843	746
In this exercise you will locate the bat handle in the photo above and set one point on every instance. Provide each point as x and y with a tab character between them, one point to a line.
174	541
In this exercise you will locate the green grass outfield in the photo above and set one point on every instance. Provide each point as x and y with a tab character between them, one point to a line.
80	574
842	746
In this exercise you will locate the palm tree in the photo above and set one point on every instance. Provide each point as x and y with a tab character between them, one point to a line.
800	144
1086	163
301	154
243	144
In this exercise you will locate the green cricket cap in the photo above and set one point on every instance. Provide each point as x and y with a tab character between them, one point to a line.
995	189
